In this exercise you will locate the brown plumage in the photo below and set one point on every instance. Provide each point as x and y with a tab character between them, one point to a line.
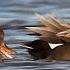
51	29
54	31
5	52
60	53
42	50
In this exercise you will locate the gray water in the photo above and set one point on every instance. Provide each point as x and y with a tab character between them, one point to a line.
15	15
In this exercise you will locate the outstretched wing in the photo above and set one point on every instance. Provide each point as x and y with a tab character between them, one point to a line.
46	34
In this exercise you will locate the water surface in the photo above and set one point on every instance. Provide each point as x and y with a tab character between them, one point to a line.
15	15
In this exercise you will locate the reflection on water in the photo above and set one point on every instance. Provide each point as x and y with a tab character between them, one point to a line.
15	15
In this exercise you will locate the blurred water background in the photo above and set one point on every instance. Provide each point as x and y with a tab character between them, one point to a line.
15	15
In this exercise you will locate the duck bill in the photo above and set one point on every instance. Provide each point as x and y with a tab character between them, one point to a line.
8	52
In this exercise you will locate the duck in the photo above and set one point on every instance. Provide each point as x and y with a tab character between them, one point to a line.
42	50
5	51
54	31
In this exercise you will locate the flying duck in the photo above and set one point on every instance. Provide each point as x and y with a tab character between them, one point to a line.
54	31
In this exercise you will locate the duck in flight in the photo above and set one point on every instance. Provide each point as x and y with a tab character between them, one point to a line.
54	31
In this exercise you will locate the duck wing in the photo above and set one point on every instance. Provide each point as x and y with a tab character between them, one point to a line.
55	24
46	34
64	35
48	23
61	52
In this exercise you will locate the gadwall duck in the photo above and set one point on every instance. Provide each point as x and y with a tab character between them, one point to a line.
42	50
54	31
5	52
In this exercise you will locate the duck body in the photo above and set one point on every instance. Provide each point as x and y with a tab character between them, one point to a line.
60	53
42	50
54	31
